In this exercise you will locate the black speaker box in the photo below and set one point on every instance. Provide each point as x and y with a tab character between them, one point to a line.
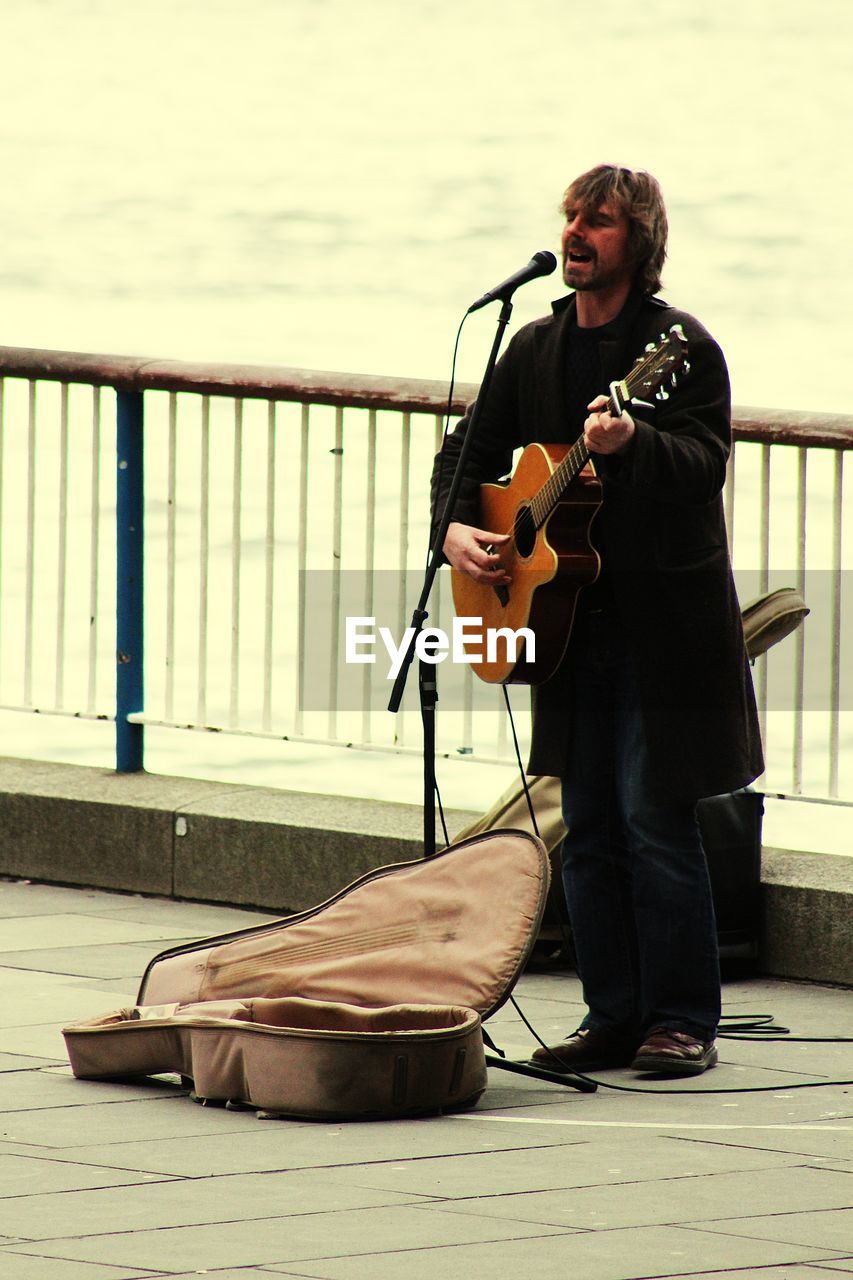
731	835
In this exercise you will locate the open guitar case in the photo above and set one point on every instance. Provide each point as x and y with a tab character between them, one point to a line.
369	1005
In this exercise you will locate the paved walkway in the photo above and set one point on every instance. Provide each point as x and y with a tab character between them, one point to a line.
108	1182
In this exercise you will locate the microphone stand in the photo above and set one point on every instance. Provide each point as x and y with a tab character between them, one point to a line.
428	686
427	679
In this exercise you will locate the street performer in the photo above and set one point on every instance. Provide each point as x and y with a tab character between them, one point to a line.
652	707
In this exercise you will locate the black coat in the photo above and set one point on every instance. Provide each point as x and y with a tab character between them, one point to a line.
663	528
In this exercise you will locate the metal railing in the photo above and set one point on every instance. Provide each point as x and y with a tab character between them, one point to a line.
254	508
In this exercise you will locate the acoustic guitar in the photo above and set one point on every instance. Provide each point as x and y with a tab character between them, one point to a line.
519	633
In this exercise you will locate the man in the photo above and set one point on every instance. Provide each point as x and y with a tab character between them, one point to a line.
652	707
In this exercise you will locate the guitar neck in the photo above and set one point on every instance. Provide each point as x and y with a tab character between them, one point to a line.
569	469
646	376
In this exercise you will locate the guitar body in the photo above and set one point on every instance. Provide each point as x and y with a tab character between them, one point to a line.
549	567
547	508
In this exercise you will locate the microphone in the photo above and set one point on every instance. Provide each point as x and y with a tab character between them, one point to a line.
541	264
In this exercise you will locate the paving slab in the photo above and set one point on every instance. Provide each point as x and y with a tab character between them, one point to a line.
663	1202
160	1116
44	1042
657	1110
816	1147
198	919
235	1273
295	1238
811	1142
785	1271
592	1255
27	899
828	1228
29	1268
279	1145
83	930
125	960
37	1005
162	1204
616	1162
792	1057
52	1088
39	1176
19	1062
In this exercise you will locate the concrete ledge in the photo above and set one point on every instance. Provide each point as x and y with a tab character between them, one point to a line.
807	916
215	842
282	851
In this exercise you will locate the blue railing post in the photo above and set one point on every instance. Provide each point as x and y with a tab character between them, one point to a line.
129	579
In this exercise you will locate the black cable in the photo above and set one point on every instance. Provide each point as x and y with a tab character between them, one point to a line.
760	1026
520	765
726	1035
759	1023
430	549
627	1088
447	415
444	831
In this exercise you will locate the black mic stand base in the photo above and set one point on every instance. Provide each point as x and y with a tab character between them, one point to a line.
567	1078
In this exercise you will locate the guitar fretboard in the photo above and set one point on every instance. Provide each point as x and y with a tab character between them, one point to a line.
569	469
646	375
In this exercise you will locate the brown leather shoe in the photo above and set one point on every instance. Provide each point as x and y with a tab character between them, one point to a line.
674	1053
588	1049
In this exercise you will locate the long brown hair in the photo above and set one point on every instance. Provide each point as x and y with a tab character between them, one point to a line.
636	194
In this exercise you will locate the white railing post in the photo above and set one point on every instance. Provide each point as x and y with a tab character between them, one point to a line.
835	642
203	563
301	569
171	555
337	553
369	568
2	447
236	560
800	636
94	551
269	569
29	584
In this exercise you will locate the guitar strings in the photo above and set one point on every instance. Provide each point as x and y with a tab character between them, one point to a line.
578	456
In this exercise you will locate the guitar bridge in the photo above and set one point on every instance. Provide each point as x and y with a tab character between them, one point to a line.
502	594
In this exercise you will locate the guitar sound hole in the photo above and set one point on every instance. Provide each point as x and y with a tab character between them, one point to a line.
524	533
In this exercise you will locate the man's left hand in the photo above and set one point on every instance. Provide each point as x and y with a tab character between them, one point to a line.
604	433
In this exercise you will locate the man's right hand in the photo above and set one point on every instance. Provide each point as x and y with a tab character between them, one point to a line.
477	553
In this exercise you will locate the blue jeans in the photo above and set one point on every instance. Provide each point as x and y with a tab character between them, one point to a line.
634	870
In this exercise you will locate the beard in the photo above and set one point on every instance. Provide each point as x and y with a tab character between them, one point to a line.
588	276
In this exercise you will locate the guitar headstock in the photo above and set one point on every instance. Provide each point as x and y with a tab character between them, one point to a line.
661	364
